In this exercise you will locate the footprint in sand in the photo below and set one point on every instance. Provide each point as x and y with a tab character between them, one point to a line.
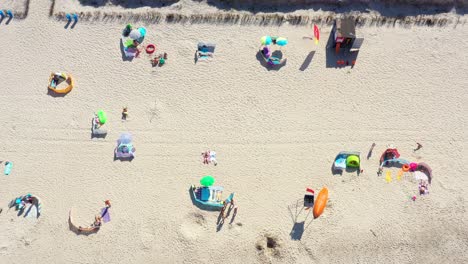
147	236
193	226
235	226
269	245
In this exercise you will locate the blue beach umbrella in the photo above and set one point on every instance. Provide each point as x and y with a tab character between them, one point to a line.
281	41
142	31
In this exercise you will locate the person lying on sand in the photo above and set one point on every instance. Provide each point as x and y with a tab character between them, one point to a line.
213	157
94	226
206	157
423	188
204	55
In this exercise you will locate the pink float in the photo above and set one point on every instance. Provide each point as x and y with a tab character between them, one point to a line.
413	166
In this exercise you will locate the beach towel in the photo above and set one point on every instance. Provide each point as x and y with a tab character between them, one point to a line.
105	214
340	163
212	156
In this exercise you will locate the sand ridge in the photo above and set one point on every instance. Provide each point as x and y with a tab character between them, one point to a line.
275	132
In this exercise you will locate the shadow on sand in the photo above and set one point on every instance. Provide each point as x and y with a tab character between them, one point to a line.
54	94
75	230
386	9
307	61
124	58
276	53
129	4
299	227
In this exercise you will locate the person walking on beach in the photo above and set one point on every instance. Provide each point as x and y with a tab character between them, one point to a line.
419	146
124	113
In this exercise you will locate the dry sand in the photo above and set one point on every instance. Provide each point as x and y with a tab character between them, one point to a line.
275	132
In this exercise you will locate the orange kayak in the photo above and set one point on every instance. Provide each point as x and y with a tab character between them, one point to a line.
320	202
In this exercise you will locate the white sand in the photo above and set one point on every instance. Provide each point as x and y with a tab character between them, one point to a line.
275	133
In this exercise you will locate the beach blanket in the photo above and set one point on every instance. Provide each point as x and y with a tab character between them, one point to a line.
105	214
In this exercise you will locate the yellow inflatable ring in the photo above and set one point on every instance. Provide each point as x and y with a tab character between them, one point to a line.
405	167
352	161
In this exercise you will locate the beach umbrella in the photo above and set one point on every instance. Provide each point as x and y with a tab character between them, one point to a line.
281	41
135	34
426	169
316	34
142	31
207	180
266	40
102	116
419	175
125	138
128	43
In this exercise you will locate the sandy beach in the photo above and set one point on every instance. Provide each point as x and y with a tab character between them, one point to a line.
276	133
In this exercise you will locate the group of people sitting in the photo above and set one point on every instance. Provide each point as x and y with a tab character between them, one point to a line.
269	58
209	156
159	60
26	203
57	79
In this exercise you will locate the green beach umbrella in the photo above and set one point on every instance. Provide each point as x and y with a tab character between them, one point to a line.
102	117
207	180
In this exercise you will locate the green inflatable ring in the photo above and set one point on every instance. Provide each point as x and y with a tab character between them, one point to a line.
352	161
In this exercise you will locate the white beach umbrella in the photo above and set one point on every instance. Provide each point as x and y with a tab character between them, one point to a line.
419	175
135	34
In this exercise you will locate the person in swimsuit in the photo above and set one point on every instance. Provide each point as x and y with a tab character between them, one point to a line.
94	226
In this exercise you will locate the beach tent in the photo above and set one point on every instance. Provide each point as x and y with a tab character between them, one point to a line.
55	81
131	38
389	154
29	205
344	33
357	44
125	148
423	167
